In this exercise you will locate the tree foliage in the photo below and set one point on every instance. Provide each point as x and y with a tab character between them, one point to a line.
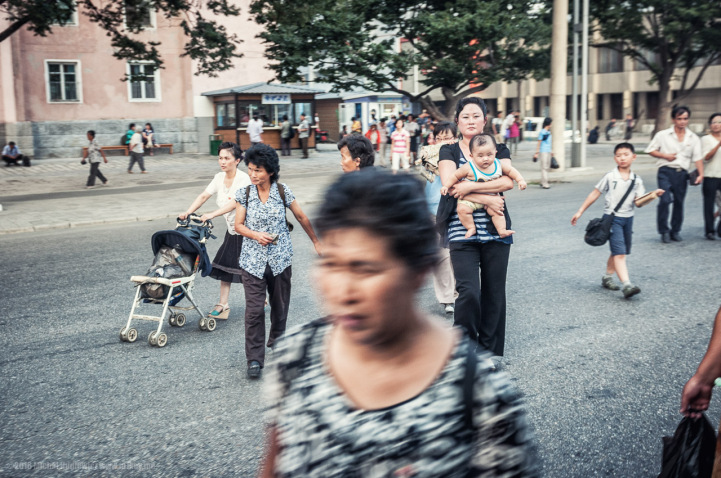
674	39
460	47
208	42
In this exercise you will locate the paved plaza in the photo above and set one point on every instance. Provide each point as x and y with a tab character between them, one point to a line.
601	375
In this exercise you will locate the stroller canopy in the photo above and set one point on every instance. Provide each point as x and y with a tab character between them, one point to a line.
173	238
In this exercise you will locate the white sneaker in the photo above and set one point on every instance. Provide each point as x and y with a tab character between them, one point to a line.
449	309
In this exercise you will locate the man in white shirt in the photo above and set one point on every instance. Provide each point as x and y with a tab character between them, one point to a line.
303	133
136	150
11	154
676	148
255	130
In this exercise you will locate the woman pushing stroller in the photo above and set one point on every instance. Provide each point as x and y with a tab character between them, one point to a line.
225	186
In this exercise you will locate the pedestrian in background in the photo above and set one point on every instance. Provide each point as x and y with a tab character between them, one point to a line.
267	253
618	203
149	138
629	123
711	150
379	387
255	130
286	133
136	150
383	131
356	153
593	135
444	284
675	148
303	133
11	155
400	147
609	127
543	151
374	136
225	186
514	134
411	126
93	154
356	126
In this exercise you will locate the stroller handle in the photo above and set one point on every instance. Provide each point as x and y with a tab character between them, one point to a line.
196	219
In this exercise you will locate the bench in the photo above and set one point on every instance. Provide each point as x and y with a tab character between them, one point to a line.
123	148
164	145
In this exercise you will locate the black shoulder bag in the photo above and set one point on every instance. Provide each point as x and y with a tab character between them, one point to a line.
599	229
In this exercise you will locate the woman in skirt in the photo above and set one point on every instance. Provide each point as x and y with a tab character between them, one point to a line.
224	185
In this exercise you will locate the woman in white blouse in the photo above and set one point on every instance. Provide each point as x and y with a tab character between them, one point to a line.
224	185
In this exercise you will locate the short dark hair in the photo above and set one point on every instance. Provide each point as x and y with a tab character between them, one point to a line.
11	143
444	126
233	148
263	156
624	146
482	139
710	118
678	110
131	126
359	147
362	199
546	122
285	117
91	133
471	100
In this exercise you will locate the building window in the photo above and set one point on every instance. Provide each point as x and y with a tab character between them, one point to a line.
139	12
651	57
609	61
143	82
225	115
72	21
63	81
652	105
616	105
599	107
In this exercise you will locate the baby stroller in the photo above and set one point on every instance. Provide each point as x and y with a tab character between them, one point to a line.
179	256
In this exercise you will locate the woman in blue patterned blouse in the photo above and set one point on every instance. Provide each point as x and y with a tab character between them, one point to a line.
265	259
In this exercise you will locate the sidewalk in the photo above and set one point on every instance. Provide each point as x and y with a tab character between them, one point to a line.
51	194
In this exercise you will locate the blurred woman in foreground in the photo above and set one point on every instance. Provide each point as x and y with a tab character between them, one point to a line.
378	387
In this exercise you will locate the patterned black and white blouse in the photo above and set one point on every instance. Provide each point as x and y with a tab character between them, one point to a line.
322	434
268	217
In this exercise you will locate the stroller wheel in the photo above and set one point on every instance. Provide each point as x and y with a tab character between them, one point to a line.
172	320
201	323
123	335
211	325
180	320
131	335
161	340
151	338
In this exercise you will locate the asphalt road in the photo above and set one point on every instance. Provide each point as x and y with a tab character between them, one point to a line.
601	375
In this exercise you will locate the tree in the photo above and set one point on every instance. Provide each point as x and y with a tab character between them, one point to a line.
460	47
208	42
664	35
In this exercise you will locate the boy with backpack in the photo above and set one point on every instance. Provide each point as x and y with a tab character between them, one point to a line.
622	190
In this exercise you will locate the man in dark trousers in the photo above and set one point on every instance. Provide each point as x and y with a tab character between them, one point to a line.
676	148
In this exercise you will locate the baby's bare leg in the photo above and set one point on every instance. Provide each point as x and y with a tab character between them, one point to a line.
499	221
465	215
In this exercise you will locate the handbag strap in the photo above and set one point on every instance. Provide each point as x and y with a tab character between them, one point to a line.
623	199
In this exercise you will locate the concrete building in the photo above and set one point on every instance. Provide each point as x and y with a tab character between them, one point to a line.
55	88
617	86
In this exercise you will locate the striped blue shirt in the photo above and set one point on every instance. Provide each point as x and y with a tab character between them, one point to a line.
457	233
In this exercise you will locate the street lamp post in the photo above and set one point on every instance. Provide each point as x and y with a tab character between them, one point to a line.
559	71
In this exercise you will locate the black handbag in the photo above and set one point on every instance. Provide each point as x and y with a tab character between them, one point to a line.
599	229
554	163
692	177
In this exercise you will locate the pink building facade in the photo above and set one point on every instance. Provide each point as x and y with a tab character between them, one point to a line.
55	88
